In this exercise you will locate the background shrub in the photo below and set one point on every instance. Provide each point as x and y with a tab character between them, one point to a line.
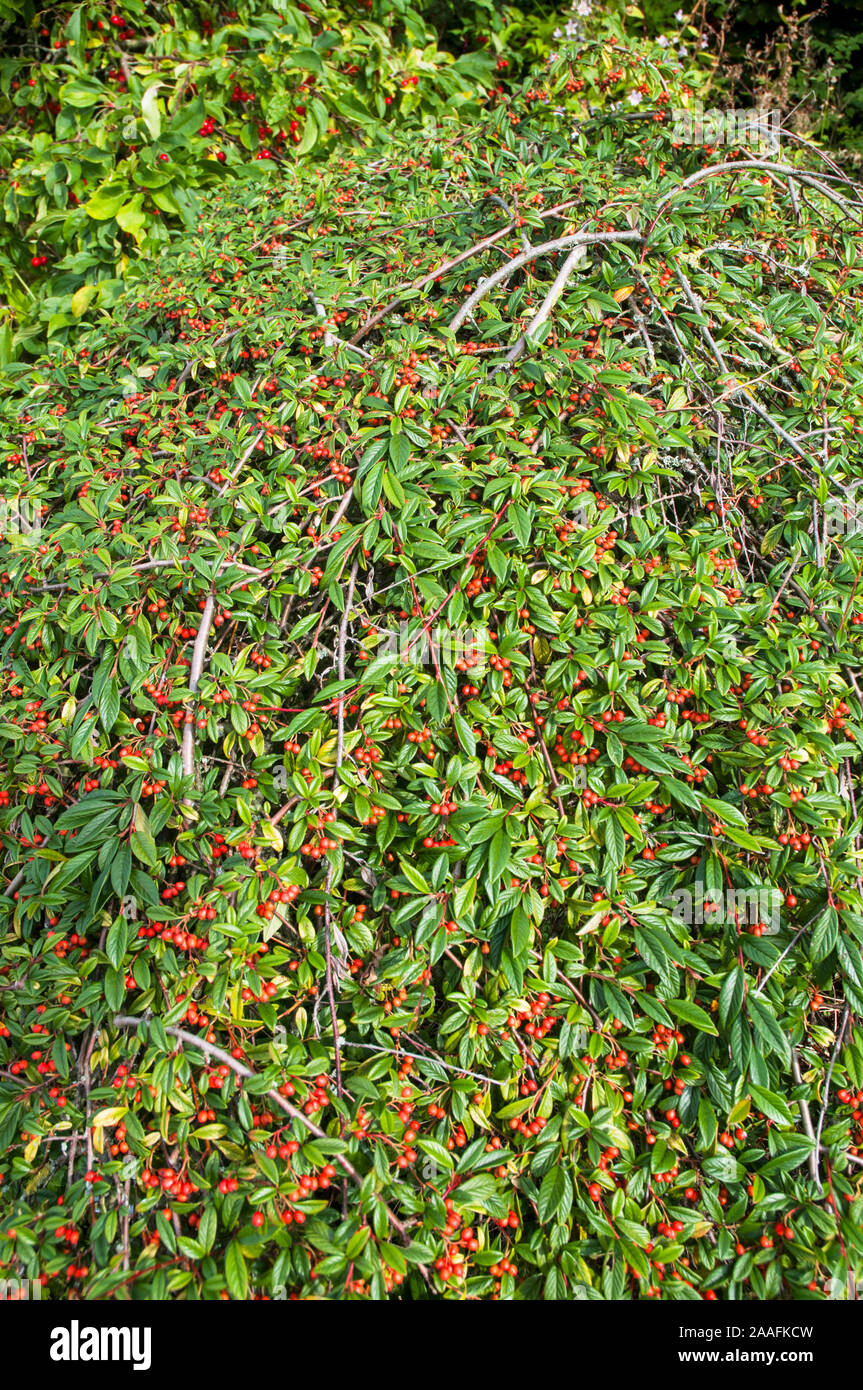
336	967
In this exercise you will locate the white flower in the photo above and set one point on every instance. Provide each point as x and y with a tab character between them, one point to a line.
558	34
583	7
634	98
572	29
682	51
678	15
662	41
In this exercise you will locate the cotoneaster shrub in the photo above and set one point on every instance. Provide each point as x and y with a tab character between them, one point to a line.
331	968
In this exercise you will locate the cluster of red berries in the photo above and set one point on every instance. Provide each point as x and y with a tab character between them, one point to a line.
170	1183
318	850
663	1037
528	1129
759	740
795	841
69	943
837	719
288	894
185	940
697	774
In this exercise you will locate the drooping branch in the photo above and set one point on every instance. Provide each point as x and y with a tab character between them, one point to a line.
560	282
440	270
240	1069
524	257
806	1117
756	166
197	667
329	925
332	339
340	668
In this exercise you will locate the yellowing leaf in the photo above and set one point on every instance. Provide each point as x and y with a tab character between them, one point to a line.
82	299
106	1119
541	651
150	111
272	835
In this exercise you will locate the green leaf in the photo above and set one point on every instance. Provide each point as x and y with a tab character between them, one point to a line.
498	855
115	987
121	868
691	1013
150	111
207	1228
768	1029
724	1167
771	1105
465	734
413	876
83	92
731	996
555	1194
236	1273
106	202
436	1151
400	451
109	704
615	844
141	839
309	136
116	942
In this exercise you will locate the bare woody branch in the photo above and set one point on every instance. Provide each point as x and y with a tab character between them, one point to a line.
240	1069
524	257
198	654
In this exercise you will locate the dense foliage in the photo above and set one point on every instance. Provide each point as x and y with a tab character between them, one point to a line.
339	962
112	122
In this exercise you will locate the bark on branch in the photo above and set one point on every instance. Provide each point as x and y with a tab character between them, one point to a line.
211	1050
544	249
198	654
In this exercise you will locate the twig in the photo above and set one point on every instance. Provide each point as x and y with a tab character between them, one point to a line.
211	1050
544	249
328	916
752	166
427	279
573	260
333	339
12	887
826	1096
795	938
239	468
198	653
418	1056
807	1120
